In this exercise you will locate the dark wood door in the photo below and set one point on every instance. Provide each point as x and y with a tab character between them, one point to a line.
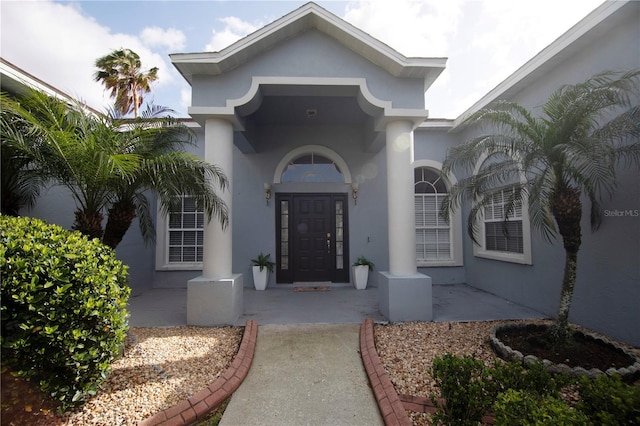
312	233
312	238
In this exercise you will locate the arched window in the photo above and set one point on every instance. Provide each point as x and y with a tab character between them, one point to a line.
433	232
312	167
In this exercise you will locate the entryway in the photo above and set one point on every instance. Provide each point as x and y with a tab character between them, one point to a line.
312	235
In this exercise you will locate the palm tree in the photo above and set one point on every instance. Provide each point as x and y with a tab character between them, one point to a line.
106	163
72	147
569	151
163	170
120	71
21	182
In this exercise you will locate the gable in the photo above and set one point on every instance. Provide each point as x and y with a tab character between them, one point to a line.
310	55
309	16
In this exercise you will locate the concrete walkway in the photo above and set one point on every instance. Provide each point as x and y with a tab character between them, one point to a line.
306	368
305	375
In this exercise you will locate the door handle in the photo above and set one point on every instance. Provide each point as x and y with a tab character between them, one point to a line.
328	242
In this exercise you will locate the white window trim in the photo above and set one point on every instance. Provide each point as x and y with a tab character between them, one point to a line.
455	224
162	247
523	258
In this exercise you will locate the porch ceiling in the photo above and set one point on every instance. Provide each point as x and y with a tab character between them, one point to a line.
308	110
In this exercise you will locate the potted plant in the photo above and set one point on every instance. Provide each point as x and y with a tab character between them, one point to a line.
361	268
261	268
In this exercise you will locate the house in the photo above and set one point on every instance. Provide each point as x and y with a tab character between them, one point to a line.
331	154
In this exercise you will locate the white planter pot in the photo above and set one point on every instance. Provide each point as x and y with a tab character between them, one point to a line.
260	278
360	276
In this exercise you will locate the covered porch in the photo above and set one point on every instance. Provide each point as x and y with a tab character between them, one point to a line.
341	304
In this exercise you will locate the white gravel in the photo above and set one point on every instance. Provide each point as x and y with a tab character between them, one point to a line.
163	366
160	367
407	351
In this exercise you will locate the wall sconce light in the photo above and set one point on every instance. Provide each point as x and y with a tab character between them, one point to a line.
354	191
267	191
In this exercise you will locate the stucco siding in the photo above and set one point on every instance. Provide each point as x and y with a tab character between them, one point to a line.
313	55
608	281
254	229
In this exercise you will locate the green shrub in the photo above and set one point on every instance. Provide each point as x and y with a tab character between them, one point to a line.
469	388
607	400
63	307
521	408
462	383
535	378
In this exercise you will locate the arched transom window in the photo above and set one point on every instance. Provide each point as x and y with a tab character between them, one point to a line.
433	233
312	167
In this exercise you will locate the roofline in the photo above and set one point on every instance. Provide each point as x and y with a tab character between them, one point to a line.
311	15
544	58
436	124
26	79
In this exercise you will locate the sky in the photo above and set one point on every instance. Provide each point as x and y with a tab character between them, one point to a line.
484	40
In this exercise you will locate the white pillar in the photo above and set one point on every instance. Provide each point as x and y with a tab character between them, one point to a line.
400	198
217	258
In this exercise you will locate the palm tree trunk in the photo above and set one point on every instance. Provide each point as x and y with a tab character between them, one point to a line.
89	223
10	204
121	214
561	328
567	211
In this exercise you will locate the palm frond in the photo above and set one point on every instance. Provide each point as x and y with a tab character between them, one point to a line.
145	217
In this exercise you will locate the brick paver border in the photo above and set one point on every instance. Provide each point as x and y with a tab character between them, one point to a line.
391	407
199	405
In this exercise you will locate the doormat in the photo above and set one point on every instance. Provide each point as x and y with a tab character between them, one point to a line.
314	288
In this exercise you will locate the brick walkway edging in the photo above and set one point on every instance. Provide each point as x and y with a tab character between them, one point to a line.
391	407
199	405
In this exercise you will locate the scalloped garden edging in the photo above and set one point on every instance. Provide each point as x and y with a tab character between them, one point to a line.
508	353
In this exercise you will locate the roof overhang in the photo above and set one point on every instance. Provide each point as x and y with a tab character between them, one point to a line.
309	16
602	19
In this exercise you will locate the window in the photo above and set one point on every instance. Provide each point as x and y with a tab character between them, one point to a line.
284	235
510	240
339	234
312	167
498	234
180	237
437	242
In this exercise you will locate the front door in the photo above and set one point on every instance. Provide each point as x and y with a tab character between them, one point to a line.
311	229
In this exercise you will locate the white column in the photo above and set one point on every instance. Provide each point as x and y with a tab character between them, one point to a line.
400	198
217	259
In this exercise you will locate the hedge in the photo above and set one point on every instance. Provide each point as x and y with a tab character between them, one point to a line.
64	298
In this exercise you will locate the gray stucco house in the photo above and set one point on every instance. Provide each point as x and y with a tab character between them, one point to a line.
327	141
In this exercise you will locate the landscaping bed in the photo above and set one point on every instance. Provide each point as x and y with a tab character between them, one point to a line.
160	367
407	352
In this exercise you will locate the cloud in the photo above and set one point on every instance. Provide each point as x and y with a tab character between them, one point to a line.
171	39
234	29
485	41
410	27
59	44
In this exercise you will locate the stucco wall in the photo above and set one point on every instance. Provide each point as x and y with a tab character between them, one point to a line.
608	284
311	54
254	221
432	144
56	206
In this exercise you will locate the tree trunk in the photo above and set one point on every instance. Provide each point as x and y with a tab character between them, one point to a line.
89	223
10	205
567	211
561	328
121	214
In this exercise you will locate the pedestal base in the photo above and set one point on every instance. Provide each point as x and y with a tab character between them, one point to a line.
405	298
214	301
